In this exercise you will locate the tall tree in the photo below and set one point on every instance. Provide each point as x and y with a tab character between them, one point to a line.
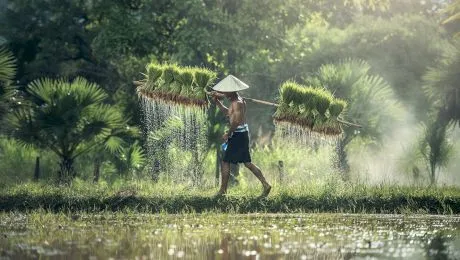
442	86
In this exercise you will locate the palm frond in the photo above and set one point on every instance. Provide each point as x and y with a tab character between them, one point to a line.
7	74
441	83
7	65
114	144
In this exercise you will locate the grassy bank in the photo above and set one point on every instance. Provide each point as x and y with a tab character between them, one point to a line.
168	198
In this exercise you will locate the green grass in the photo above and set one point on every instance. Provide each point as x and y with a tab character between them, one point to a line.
144	196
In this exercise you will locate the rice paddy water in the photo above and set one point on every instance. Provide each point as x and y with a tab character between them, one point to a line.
227	236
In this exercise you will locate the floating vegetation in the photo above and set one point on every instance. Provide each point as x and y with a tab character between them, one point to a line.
175	108
306	113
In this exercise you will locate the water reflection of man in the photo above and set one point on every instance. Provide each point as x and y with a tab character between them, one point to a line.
237	137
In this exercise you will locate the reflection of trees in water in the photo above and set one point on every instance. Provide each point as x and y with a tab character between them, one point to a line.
436	248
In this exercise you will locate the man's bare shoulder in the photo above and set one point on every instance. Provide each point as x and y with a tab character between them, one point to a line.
237	104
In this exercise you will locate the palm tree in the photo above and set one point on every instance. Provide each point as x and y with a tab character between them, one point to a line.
7	74
371	102
442	86
69	118
434	147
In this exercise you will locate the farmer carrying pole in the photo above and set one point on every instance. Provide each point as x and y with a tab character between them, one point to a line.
236	147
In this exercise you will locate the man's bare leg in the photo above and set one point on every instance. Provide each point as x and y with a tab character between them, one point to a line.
258	173
225	174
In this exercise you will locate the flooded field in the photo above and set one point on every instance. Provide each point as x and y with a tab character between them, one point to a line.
226	236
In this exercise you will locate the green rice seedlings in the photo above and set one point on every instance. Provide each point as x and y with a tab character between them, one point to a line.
319	124
336	107
186	77
289	91
324	99
199	96
204	78
281	111
168	78
309	99
306	117
187	95
328	126
175	86
291	103
154	72
308	108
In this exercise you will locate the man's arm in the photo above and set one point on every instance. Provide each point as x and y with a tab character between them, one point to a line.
216	96
221	106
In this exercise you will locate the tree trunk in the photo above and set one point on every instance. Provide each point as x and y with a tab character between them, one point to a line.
37	169
66	170
218	154
433	173
341	160
155	170
97	170
281	171
234	173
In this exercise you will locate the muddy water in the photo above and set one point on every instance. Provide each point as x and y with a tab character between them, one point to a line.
226	236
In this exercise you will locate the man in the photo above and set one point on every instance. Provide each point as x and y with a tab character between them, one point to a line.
237	137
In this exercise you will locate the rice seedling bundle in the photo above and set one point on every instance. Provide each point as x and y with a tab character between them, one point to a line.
170	83
314	109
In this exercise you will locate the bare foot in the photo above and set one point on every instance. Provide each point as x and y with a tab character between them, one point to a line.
267	189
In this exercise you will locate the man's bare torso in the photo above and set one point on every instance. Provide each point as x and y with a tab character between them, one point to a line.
237	112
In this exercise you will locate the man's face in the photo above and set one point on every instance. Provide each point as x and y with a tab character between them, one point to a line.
228	95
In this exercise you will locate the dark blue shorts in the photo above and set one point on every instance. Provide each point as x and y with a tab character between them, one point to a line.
238	148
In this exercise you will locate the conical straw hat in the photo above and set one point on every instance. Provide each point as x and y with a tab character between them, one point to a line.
230	84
